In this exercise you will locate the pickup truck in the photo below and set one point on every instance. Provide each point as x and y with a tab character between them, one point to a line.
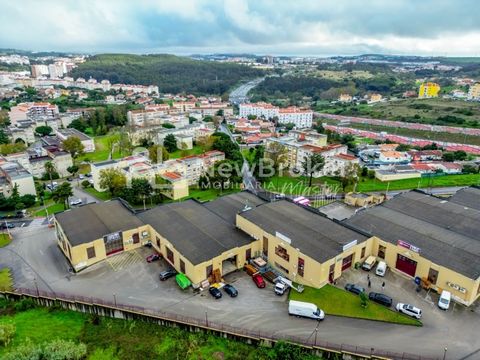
280	288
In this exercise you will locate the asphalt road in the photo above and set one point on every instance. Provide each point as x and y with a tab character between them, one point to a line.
36	261
240	94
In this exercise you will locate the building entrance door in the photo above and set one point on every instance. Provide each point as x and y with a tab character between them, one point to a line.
406	265
347	262
113	243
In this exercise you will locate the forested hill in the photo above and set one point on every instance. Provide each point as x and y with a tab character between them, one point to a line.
172	74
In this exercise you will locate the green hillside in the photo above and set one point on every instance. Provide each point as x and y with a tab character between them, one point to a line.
171	73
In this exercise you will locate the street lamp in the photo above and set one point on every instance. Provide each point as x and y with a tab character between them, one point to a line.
444	353
115	300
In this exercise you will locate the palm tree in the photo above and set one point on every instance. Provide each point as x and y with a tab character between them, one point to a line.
50	170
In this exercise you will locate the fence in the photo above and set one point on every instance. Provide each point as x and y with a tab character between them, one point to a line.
102	307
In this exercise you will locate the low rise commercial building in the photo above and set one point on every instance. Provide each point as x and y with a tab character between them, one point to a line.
207	241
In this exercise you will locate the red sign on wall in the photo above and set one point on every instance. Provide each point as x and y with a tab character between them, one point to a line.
408	246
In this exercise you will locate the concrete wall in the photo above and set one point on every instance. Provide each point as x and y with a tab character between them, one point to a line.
397	176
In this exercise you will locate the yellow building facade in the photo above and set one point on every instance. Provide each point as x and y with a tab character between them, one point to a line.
428	90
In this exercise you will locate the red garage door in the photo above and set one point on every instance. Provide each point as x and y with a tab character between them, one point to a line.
406	265
347	262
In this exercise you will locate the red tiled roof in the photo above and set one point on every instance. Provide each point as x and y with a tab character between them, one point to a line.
171	175
346	157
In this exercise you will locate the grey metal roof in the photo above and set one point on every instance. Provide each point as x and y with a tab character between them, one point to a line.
93	221
313	234
195	231
447	233
228	206
469	197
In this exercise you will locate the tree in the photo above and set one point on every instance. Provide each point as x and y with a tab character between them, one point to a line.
50	170
170	143
79	124
203	182
460	155
3	137
43	130
73	169
470	169
403	147
311	164
142	189
113	180
74	146
350	175
62	193
225	171
168	125
277	153
363	299
364	171
448	156
6	149
85	184
158	153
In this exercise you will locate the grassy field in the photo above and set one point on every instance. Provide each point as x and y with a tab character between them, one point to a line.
102	150
5	281
52	209
196	150
102	195
430	135
208	194
109	339
4	239
334	301
407	109
367	185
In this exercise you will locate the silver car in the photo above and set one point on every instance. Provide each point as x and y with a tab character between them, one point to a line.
409	310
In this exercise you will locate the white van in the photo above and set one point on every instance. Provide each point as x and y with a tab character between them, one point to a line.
444	301
381	268
369	263
304	309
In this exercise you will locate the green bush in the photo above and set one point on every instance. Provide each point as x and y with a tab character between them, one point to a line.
24	304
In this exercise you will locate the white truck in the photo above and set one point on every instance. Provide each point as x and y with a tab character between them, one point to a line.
304	309
280	288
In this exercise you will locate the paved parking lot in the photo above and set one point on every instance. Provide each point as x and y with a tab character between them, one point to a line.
36	261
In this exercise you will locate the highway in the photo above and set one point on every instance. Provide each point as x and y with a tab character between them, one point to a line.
239	95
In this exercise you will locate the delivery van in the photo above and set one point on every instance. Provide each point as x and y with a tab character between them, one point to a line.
369	263
381	268
444	301
304	309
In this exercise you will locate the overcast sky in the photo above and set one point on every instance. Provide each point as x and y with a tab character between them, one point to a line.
291	27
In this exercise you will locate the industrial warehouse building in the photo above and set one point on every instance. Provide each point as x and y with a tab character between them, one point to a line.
418	235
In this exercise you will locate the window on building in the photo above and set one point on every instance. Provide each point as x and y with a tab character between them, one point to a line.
248	254
69	252
265	246
170	256
182	266
90	252
280	267
136	238
301	266
432	276
282	252
331	273
158	242
381	251
209	271
362	255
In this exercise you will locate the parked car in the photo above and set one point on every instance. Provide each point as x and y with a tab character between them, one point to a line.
409	310
258	280
353	288
217	294
369	263
76	202
6	225
444	300
279	196
167	274
90	181
81	176
153	257
230	290
381	268
69	179
381	299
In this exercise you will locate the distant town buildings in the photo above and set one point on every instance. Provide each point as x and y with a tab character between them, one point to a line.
428	90
346	98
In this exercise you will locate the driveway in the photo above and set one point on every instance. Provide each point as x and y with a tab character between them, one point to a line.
127	278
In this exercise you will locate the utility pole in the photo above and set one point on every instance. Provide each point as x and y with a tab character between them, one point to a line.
445	353
115	300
